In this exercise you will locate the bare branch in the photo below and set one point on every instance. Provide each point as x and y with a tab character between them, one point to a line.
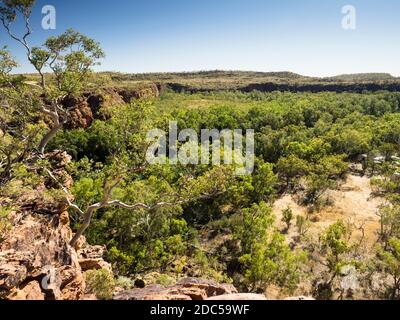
56	126
21	41
94	207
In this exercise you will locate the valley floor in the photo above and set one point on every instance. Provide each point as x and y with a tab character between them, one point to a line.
353	203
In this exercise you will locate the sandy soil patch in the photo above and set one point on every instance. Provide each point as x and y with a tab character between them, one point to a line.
352	202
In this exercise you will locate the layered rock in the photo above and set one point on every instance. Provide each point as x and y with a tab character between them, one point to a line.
37	252
91	258
36	260
186	289
150	91
85	109
193	289
80	113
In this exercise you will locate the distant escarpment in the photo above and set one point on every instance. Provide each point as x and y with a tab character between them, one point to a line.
247	81
294	87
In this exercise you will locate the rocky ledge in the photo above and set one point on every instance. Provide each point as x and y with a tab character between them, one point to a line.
193	289
186	289
36	260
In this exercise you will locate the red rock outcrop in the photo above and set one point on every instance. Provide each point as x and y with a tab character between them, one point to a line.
150	91
91	258
186	289
85	109
80	113
37	252
36	260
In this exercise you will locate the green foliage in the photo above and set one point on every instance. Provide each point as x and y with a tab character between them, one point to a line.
165	280
335	246
287	217
264	182
291	168
7	64
300	151
302	225
121	261
387	258
9	9
304	142
266	258
23	181
5	224
100	283
390	223
387	184
389	262
19	131
352	142
316	185
124	283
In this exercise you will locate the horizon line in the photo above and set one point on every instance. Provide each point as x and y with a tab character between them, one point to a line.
228	70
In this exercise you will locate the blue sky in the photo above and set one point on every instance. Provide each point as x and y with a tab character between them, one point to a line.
303	36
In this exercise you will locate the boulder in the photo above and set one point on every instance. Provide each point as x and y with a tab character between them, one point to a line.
91	258
186	289
13	269
149	91
83	110
37	248
210	287
80	113
99	103
31	291
153	292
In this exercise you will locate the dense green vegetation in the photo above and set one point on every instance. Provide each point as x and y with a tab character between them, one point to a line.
305	143
202	220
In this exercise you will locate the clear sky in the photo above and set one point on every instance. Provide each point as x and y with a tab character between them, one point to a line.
303	36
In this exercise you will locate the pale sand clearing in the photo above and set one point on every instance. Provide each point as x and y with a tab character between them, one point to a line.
352	202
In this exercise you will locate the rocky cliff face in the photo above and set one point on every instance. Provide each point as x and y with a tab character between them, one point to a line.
151	91
84	110
36	260
186	289
90	106
316	87
193	289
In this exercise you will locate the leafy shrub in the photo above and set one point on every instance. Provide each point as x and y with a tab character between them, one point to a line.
100	283
266	258
125	283
165	280
121	261
389	262
5	224
287	217
302	225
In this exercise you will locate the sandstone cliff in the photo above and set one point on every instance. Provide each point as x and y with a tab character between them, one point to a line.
36	260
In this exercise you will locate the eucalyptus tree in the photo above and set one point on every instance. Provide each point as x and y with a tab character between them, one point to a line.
63	64
68	58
